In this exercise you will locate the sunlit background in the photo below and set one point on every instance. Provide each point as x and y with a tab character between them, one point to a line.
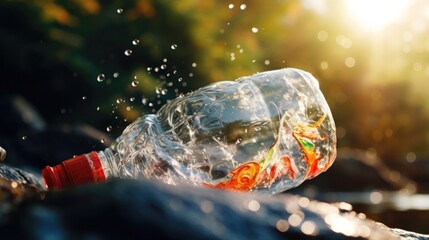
108	62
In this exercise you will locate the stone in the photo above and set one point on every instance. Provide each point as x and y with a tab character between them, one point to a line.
125	208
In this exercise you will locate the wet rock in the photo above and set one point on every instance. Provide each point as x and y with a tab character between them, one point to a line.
123	209
21	177
409	235
16	187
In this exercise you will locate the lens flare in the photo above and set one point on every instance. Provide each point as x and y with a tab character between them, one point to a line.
375	14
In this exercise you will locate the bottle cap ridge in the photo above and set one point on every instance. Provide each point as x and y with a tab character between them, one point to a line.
85	168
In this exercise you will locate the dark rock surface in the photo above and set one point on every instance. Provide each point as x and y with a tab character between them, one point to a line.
124	209
127	209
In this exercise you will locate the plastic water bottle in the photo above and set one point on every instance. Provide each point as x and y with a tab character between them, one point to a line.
266	133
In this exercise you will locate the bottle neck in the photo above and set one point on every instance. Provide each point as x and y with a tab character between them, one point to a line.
109	162
85	168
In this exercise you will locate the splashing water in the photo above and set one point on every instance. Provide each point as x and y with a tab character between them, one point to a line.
128	52
101	77
136	42
134	83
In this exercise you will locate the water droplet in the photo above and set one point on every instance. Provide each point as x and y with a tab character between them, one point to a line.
164	60
14	184
115	75
231	6
232	56
255	29
144	101
267	62
164	91
350	62
84	97
98	109
134	83
128	109
24	137
128	52
163	66
132	99
243	6
194	64
101	77
109	128
174	46
119	10
136	42
102	140
150	104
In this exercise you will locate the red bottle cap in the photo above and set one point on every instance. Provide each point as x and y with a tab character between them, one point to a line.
82	169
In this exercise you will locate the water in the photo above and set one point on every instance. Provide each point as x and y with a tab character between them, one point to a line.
128	52
136	42
101	77
134	83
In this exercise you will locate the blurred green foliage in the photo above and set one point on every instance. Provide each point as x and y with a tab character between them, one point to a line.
375	81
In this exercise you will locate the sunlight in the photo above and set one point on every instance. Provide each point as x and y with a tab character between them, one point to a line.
375	14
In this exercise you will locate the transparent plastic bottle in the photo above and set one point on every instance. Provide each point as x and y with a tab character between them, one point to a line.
267	133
